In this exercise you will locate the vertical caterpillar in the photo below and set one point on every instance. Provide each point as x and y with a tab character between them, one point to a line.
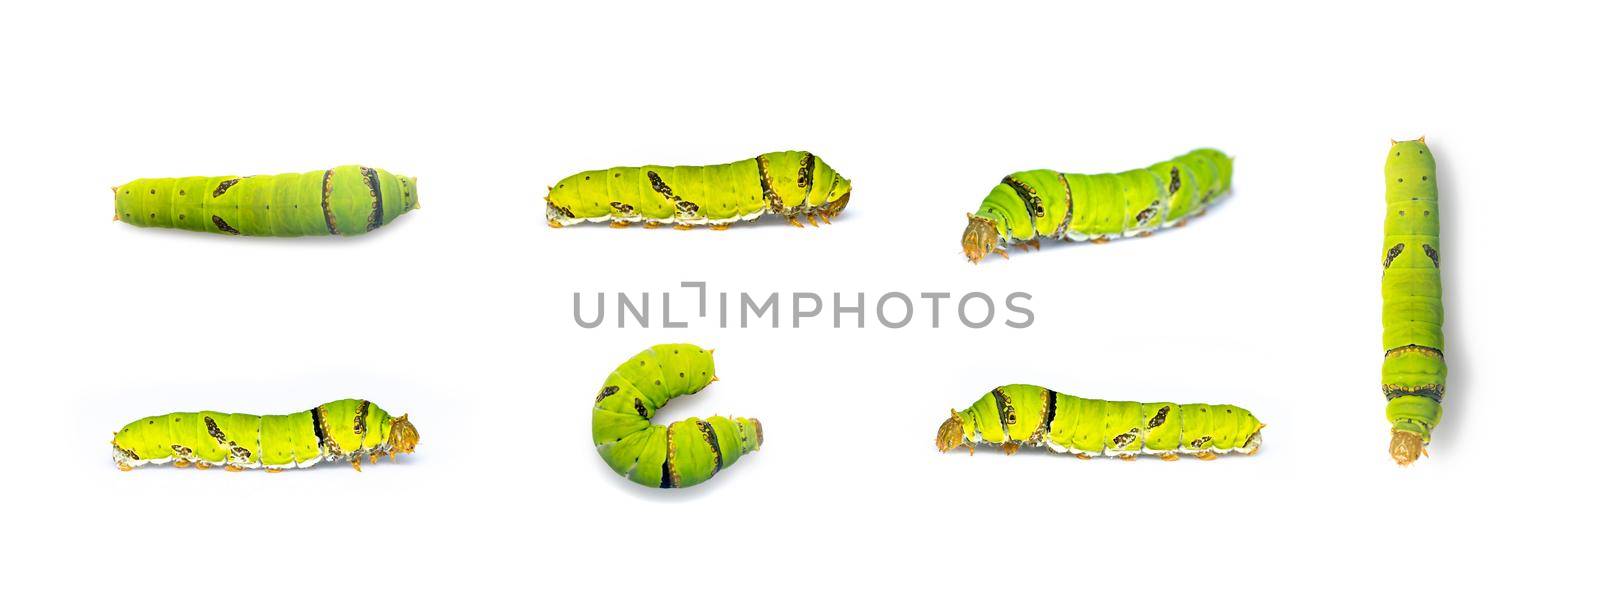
1026	206
1413	316
791	184
347	200
347	429
1026	415
677	455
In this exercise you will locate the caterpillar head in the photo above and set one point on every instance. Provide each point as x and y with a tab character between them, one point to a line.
1406	446
402	435
952	433
980	238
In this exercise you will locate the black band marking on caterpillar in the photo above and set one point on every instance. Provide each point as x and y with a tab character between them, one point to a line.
711	440
1148	213
1122	441
223	225
327	193
1159	419
1030	198
661	186
1431	391
375	219
1049	416
1393	252
1002	404
224	186
764	169
319	425
807	166
360	425
1418	348
1066	218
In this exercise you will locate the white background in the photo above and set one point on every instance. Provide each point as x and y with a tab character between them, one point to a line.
460	313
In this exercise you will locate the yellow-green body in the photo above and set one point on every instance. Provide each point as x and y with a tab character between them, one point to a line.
1413	314
347	200
347	429
789	183
1027	206
677	455
1034	416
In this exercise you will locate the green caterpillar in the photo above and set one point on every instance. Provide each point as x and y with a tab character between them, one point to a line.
792	184
347	429
347	200
1026	206
1413	316
1023	414
677	455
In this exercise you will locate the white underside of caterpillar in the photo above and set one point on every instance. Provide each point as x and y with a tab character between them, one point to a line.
355	456
640	218
1252	443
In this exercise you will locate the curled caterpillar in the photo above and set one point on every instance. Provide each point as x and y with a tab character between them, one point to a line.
677	455
1026	206
347	200
791	184
347	429
1413	316
1023	414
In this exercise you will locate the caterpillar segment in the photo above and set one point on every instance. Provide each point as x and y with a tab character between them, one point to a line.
791	184
343	430
1028	206
346	200
1414	369
1024	415
676	455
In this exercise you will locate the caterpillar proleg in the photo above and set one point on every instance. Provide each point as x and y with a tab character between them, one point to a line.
791	184
347	200
347	429
1020	415
1413	315
676	455
1027	206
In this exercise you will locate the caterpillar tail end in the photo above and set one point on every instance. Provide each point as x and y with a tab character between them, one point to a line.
980	238
833	208
1406	447
950	433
